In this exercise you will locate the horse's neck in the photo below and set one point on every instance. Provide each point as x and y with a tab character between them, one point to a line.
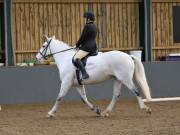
62	57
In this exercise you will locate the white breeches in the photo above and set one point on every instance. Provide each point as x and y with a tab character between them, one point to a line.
80	54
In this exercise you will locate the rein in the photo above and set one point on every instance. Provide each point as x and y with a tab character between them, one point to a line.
51	54
60	52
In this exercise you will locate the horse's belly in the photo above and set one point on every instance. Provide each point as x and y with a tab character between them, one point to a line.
96	79
93	79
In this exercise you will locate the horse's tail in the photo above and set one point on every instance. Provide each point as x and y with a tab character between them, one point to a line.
141	77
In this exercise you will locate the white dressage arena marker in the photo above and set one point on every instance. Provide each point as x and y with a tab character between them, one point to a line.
163	99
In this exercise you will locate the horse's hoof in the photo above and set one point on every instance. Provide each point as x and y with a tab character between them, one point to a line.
148	110
105	114
50	115
97	110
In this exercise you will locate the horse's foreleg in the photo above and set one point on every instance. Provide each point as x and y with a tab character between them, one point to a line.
0	108
116	95
82	92
63	91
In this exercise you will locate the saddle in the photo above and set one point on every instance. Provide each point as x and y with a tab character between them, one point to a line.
84	60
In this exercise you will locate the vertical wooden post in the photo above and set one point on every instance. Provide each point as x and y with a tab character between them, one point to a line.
148	29
145	11
7	32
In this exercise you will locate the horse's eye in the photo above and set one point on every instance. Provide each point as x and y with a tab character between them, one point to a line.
43	46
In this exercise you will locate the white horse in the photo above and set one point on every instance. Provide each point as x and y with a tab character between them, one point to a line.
113	64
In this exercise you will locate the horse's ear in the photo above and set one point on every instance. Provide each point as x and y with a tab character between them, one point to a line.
53	37
45	38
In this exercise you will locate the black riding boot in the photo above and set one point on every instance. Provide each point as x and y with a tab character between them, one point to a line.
82	68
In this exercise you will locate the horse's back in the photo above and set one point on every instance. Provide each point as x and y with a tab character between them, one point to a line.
111	56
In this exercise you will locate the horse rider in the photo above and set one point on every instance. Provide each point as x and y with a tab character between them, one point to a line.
86	44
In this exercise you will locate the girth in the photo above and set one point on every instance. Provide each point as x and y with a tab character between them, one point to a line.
84	60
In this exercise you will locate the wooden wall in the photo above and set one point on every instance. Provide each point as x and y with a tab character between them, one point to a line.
162	25
117	21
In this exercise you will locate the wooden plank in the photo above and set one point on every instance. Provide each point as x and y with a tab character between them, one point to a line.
170	25
133	23
32	27
164	1
55	19
167	47
64	23
25	51
60	22
33	31
45	19
50	20
137	25
82	9
27	29
113	36
77	1
41	23
158	24
100	24
81	13
154	27
125	25
36	28
18	29
73	24
95	11
121	35
116	30
26	45
24	23
68	25
79	26
166	15
129	27
14	30
104	26
162	27
108	22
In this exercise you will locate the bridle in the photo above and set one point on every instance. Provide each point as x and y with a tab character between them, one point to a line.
43	53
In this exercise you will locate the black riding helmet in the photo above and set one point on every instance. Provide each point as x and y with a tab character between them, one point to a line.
89	15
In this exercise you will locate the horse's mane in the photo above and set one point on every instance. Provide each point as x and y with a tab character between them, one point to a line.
65	45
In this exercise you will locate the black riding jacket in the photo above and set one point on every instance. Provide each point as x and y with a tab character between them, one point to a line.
87	41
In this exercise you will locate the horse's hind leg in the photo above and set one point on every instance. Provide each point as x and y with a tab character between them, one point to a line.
142	106
141	102
82	92
116	95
